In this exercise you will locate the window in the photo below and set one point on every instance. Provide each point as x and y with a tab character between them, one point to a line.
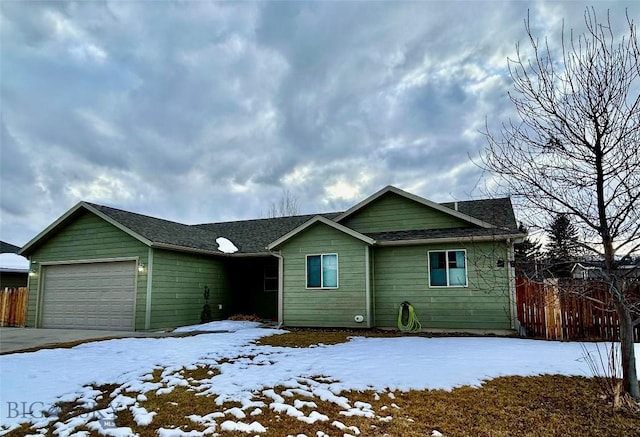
322	271
271	278
448	268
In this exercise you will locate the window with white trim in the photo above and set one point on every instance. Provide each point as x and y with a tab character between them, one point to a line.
322	271
447	268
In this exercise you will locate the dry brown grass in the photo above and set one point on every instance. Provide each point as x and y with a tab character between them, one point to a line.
302	338
509	406
548	405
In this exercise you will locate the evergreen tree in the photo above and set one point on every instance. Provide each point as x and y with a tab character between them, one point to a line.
563	248
527	255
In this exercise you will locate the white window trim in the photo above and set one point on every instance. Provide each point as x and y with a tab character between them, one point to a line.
306	273
446	251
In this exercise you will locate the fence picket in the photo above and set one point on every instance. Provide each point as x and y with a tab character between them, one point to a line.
544	312
13	306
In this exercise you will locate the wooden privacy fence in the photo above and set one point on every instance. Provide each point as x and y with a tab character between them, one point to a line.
582	311
13	306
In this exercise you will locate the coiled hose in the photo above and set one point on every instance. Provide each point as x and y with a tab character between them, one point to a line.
407	319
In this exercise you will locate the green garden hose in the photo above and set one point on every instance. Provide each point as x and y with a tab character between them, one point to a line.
407	319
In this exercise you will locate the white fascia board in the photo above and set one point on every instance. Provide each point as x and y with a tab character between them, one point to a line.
177	248
477	239
323	220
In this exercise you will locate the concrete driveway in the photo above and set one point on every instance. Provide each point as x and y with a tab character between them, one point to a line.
17	339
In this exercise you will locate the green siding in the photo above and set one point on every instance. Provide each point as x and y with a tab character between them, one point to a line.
178	288
178	279
324	307
401	274
392	212
88	237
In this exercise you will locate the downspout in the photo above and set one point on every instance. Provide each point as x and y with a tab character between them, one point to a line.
367	285
511	278
147	314
278	255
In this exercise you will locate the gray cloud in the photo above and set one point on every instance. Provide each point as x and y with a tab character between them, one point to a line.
204	111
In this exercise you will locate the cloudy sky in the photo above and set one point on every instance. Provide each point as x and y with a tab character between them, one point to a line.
199	111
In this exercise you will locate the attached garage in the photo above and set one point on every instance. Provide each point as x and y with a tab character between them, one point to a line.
89	295
102	268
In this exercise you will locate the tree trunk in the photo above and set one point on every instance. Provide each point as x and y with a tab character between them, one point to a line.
627	352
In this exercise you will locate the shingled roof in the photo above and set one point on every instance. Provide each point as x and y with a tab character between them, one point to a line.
253	236
8	247
162	232
498	212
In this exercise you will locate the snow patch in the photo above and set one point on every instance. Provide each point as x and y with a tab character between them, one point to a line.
230	425
220	326
141	416
225	245
13	261
52	375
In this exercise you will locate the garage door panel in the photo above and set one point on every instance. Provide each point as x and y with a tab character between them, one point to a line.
89	296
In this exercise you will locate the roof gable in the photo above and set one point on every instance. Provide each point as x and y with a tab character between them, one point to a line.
392	209
325	221
151	231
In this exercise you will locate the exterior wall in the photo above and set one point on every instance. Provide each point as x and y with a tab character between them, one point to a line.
88	237
401	274
392	212
178	281
324	307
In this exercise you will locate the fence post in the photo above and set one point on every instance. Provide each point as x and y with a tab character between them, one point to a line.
553	313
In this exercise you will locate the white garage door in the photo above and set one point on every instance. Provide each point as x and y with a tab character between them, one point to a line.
89	296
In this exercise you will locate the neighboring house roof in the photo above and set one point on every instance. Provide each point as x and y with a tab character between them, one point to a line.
8	247
492	218
627	268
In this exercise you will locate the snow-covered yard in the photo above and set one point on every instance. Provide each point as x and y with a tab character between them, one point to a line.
247	374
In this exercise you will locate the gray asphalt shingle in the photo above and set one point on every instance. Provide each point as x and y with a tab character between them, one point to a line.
253	236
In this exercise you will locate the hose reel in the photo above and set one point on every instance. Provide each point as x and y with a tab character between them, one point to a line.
407	319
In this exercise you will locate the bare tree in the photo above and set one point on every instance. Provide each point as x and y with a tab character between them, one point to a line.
287	205
575	149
